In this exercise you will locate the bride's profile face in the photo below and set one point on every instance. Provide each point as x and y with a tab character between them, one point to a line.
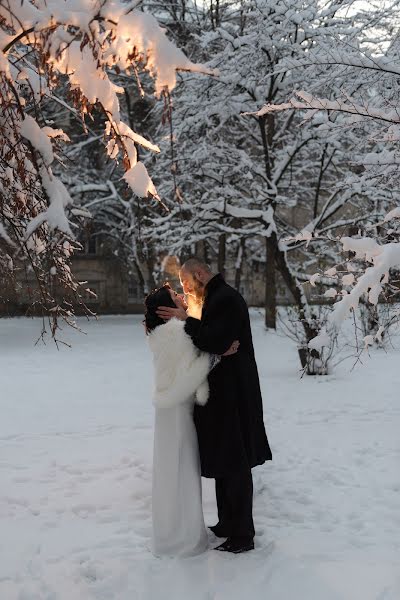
177	299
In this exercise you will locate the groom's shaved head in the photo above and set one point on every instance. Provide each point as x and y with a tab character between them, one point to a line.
194	276
195	264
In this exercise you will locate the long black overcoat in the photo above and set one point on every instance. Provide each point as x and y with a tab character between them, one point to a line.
230	426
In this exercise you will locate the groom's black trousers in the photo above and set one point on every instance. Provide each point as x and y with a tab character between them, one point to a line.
235	503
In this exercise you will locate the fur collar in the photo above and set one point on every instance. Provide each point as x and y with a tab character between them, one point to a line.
180	369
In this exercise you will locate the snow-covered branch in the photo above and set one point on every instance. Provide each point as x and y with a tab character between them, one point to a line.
69	53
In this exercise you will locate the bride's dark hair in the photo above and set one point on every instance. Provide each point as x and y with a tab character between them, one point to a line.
160	297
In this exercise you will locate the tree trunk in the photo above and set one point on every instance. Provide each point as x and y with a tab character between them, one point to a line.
144	262
141	280
295	289
201	250
369	317
146	268
271	243
239	264
270	281
221	253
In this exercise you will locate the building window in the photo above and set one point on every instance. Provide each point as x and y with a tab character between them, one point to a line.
134	293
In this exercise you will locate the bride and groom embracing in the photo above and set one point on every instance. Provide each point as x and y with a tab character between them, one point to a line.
208	418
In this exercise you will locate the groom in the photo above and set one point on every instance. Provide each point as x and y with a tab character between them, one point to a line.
230	426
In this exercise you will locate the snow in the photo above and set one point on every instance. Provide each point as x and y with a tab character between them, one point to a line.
320	341
393	214
314	278
139	181
330	293
5	236
82	41
305	101
76	451
348	279
55	213
127	134
368	340
38	138
304	235
81	67
365	247
385	257
161	56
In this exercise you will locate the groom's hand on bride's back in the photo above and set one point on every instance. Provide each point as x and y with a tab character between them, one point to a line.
233	348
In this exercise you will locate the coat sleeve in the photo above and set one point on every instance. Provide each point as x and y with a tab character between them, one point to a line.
218	330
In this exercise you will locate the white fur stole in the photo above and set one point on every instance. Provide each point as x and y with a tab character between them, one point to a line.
180	369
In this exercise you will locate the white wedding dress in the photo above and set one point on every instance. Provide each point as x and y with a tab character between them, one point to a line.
178	523
180	380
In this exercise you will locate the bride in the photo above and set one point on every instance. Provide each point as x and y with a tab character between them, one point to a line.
180	380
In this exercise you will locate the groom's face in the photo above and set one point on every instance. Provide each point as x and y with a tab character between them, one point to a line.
191	284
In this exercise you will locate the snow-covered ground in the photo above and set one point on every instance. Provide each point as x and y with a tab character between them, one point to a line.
75	476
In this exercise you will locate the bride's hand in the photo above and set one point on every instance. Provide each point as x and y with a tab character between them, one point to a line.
233	349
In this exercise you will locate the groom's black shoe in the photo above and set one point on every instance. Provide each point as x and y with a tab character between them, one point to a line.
236	545
219	531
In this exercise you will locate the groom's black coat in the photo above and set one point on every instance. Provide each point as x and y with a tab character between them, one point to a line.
230	426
